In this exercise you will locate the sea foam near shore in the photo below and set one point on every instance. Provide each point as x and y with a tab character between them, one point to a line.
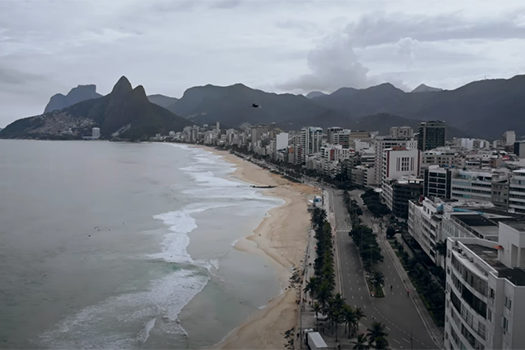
149	315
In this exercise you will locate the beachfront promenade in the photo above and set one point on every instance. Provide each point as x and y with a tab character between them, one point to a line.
407	321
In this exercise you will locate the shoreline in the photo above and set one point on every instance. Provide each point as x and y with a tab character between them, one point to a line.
282	238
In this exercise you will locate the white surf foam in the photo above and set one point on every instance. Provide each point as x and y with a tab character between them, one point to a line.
113	322
144	333
176	242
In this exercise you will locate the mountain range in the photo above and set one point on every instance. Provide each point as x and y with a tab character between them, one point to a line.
125	113
484	108
425	88
75	95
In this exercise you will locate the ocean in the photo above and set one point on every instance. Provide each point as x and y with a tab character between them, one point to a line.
122	245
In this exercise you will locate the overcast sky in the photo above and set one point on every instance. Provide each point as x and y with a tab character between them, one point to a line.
295	46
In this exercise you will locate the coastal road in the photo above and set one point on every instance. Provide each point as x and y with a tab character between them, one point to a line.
405	325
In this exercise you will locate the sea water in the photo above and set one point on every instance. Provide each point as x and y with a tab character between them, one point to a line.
119	245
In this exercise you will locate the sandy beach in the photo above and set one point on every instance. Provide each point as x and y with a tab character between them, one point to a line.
281	236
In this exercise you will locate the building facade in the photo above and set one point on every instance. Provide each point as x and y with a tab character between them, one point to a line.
437	182
485	290
431	135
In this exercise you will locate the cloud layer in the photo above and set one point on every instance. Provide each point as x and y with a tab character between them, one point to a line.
48	47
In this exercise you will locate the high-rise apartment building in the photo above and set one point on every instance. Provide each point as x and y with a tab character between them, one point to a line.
431	135
311	140
485	290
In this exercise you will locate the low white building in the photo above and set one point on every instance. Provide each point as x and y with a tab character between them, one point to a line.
471	185
432	220
517	191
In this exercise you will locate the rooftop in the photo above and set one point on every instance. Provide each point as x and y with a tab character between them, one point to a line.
490	256
475	220
517	223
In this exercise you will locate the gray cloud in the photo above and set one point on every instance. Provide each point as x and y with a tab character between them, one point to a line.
380	28
333	64
9	77
225	4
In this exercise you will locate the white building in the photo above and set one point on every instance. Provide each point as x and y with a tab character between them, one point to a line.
362	175
401	132
471	185
281	141
442	156
400	162
95	133
424	225
311	140
433	220
382	143
509	137
517	191
485	290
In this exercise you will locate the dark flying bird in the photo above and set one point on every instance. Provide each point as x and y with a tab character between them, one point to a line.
255	105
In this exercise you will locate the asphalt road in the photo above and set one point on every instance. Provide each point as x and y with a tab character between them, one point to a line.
396	310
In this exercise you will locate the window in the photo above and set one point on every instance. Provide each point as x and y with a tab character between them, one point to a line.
508	303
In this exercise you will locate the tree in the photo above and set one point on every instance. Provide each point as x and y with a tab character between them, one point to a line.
378	279
316	308
375	333
381	343
360	343
336	311
359	314
311	286
390	232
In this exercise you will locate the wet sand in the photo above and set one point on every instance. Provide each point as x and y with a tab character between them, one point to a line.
281	236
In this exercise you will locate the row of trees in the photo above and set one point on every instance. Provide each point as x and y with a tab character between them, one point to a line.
374	204
365	240
430	291
353	209
322	286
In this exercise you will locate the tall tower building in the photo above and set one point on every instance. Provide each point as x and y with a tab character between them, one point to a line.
311	140
431	135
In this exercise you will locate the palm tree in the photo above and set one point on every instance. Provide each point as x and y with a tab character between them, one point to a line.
375	333
316	308
350	318
311	286
381	343
360	342
324	293
358	314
